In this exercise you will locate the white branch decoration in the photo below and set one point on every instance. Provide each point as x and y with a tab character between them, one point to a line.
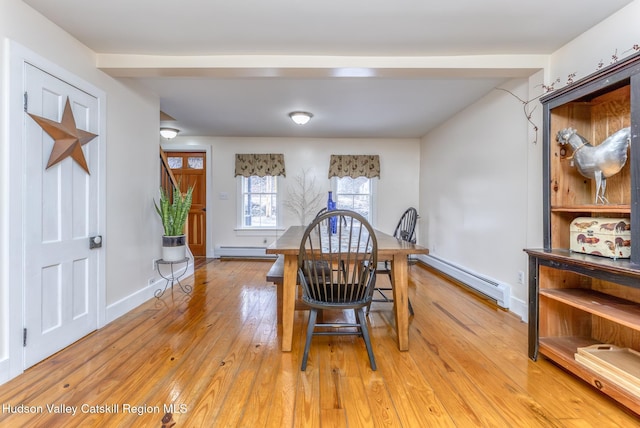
303	197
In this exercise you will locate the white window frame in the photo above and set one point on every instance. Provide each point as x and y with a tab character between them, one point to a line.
240	208
373	191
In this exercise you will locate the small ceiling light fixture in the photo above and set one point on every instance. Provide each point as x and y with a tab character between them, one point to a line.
300	117
169	133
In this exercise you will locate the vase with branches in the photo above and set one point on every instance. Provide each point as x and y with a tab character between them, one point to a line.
304	197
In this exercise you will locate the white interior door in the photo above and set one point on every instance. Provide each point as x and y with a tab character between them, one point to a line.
60	206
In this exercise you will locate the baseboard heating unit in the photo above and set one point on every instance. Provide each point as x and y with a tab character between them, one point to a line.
496	290
243	252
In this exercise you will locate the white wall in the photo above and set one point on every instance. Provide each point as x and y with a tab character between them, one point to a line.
133	227
616	35
481	180
474	184
130	238
397	187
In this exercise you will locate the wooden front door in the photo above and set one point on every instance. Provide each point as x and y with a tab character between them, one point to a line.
189	168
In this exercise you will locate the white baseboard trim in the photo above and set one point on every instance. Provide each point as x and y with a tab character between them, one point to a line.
121	307
520	308
243	252
5	371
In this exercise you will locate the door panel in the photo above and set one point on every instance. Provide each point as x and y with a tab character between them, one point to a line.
61	212
189	168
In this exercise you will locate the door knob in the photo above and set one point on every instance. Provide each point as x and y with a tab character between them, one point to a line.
95	242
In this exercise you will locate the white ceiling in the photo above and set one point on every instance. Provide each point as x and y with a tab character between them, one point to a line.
364	68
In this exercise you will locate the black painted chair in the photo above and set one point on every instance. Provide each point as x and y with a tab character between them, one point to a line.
354	249
406	231
324	210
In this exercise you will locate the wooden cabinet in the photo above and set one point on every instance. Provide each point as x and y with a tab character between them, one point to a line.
577	300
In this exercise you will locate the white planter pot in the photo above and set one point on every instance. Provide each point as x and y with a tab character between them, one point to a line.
174	248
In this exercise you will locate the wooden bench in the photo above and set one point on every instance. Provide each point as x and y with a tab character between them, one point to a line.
276	275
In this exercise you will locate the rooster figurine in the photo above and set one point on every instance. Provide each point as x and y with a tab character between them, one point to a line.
598	162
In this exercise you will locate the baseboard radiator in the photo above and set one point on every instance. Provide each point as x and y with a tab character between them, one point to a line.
496	290
243	253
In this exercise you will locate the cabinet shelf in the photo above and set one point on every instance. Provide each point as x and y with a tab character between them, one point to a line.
596	209
565	347
562	351
621	271
622	311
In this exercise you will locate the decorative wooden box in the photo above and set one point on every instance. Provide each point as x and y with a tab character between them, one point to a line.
608	237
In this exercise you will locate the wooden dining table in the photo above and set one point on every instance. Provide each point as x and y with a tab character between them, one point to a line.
389	248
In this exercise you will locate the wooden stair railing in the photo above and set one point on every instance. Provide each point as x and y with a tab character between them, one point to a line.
167	179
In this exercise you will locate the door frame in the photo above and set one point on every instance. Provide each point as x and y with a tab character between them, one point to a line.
12	195
177	147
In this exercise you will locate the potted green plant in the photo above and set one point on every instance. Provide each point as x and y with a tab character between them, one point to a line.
174	214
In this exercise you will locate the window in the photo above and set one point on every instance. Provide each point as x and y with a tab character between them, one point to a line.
355	194
259	202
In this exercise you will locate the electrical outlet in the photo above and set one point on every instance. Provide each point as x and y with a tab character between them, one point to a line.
521	278
153	264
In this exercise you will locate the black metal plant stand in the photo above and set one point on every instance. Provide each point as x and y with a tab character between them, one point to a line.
172	277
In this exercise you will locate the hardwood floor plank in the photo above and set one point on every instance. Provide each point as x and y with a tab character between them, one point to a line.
356	409
261	392
331	372
109	363
33	382
307	404
281	412
536	379
207	407
415	401
215	356
176	346
452	342
238	398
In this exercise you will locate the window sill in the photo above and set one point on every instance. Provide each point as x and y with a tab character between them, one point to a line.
259	231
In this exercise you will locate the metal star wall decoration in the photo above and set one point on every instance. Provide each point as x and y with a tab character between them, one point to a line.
67	138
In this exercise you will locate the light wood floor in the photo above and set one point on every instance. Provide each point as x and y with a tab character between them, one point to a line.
215	357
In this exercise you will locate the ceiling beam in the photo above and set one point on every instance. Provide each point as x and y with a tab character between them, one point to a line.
480	66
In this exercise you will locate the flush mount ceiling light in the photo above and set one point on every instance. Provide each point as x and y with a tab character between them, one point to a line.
169	133
300	117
